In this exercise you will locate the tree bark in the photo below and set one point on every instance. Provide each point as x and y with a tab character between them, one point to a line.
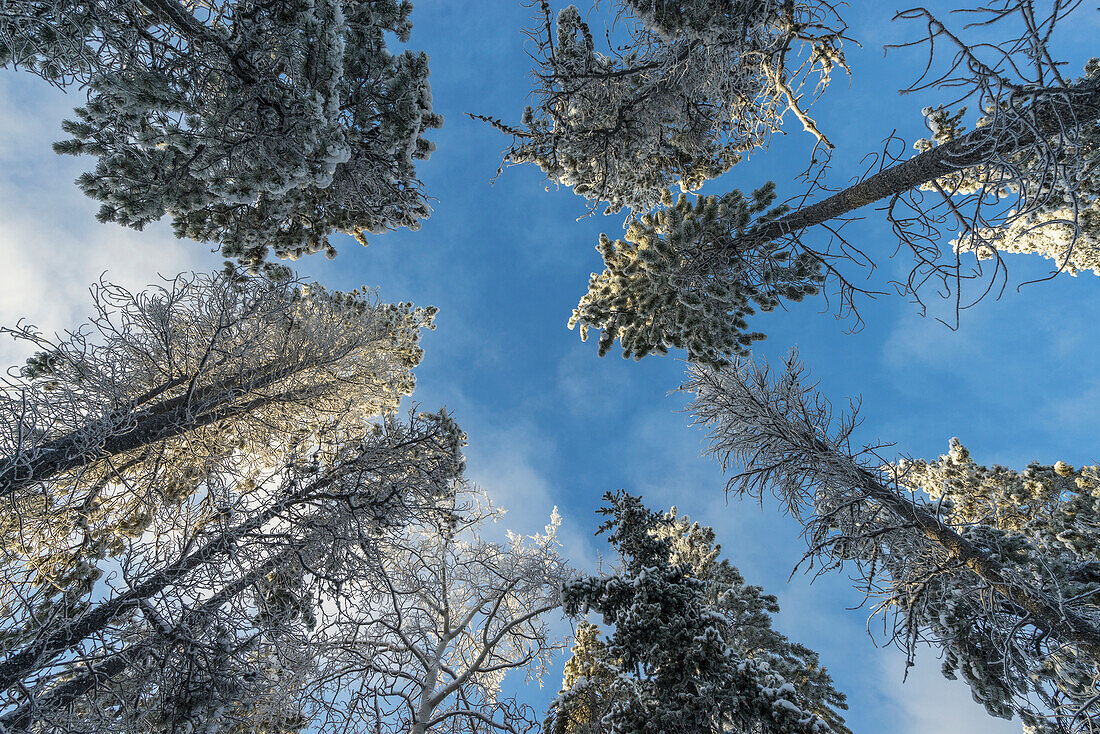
180	18
171	418
176	15
1081	105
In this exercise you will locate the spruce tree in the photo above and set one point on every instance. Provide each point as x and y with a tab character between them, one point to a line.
692	647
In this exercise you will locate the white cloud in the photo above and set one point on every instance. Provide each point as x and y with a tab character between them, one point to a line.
51	246
929	343
502	460
934	704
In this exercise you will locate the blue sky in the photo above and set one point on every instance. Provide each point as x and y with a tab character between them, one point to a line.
550	423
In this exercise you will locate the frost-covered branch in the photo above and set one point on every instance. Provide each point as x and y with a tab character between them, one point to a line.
311	527
454	615
699	85
1003	603
162	387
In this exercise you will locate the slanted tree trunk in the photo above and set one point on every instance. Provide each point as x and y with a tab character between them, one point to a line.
1049	616
64	694
172	418
775	431
1078	106
18	665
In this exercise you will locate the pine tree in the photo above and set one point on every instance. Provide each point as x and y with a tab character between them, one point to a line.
995	567
623	126
699	85
661	288
252	125
692	648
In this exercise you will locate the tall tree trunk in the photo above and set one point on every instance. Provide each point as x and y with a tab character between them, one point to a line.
1048	615
777	425
171	418
1079	106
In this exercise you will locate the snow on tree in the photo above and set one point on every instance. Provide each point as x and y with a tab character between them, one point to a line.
621	128
144	449
679	279
1060	221
451	615
997	568
185	360
219	607
111	423
692	649
585	698
699	85
253	125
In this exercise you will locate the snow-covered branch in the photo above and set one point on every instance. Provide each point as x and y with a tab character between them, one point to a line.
1003	600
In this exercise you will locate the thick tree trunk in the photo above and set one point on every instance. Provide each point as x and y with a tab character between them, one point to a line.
170	419
1080	106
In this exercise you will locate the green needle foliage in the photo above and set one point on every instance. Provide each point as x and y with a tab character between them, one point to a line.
692	650
689	276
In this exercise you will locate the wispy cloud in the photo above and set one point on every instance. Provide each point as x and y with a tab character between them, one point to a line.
503	461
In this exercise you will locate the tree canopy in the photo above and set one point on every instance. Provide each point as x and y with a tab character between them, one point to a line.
995	567
689	275
187	482
252	125
692	650
699	85
221	515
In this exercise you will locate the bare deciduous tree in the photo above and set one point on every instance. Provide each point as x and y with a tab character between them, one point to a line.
196	452
217	603
452	616
159	386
